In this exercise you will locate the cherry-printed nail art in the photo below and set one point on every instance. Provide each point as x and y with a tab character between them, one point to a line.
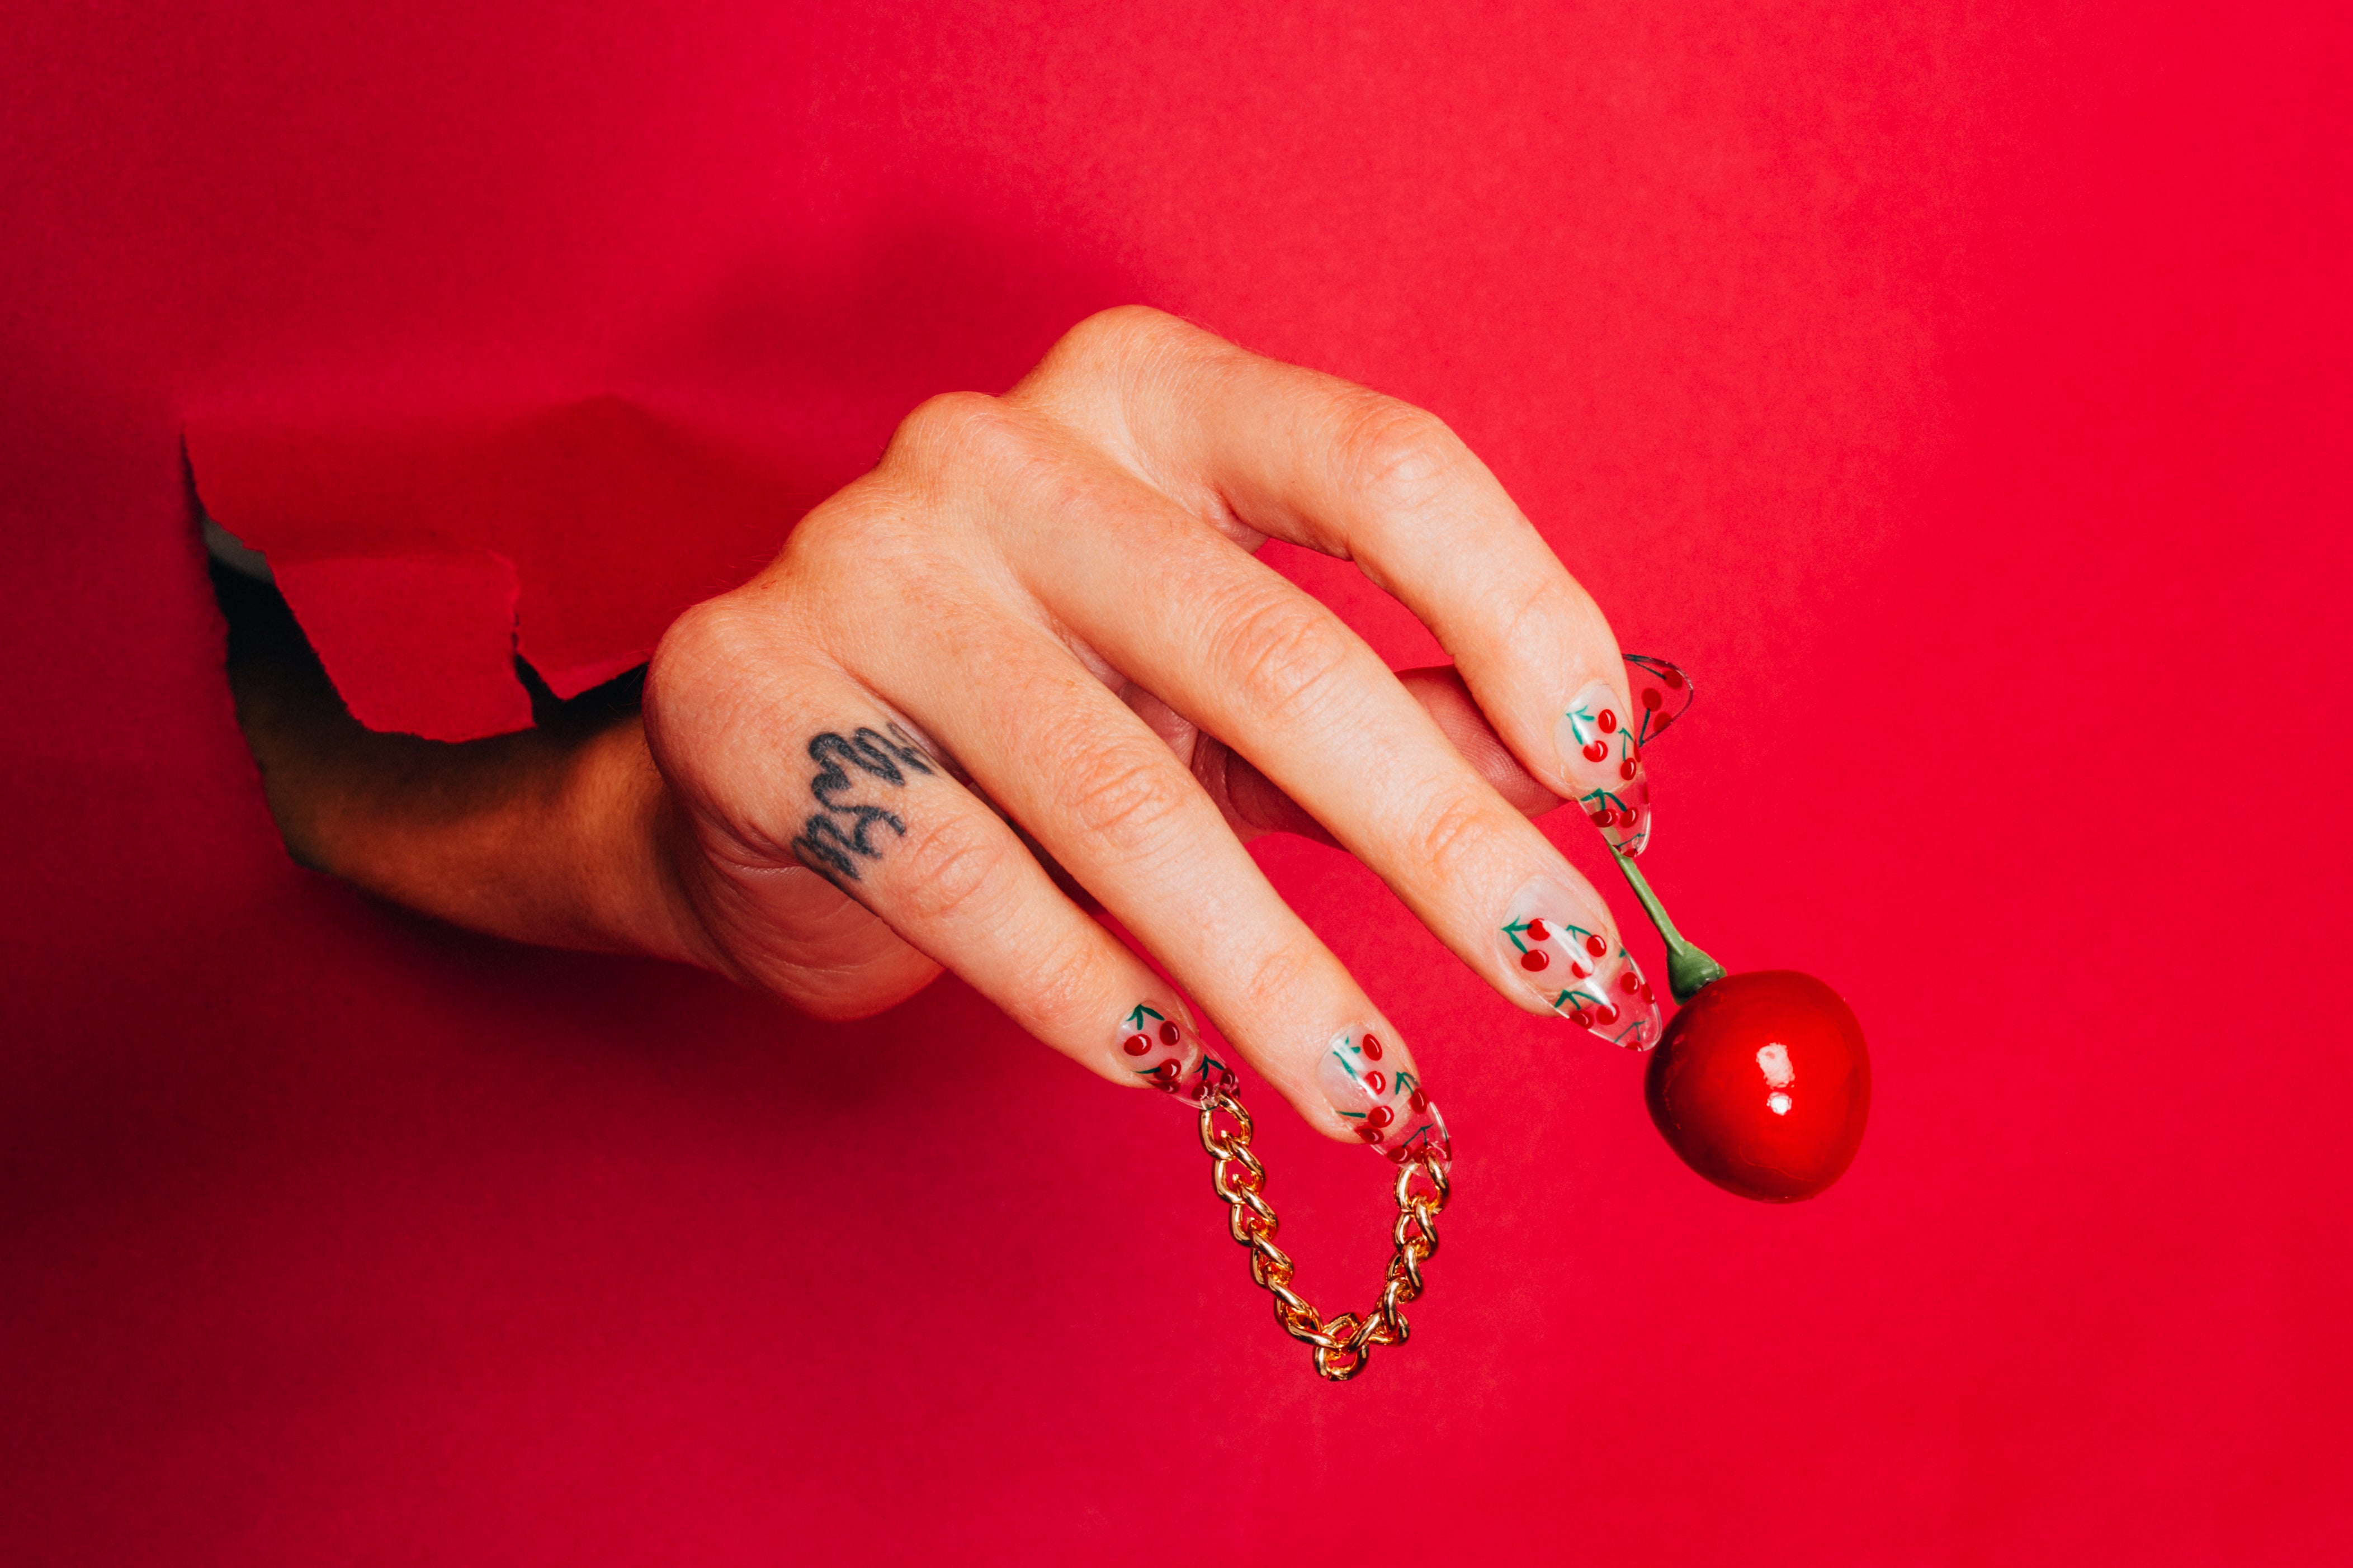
1165	1054
1601	741
1369	1079
1562	951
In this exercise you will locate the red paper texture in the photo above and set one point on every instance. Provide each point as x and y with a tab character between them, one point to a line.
1960	391
422	552
423	644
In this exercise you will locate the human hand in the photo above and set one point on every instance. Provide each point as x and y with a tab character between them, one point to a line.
1029	660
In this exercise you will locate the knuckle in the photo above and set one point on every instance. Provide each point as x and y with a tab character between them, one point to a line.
709	635
950	870
950	430
1123	332
865	531
1130	796
1285	654
1395	456
1062	994
1447	839
1282	974
693	666
1113	354
1530	618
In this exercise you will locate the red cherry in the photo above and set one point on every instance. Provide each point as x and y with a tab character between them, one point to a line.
1609	722
1168	1034
1376	1083
1605	1013
1578	970
1597	750
1369	1134
1605	817
1596	946
1534	958
1651	700
1763	1085
1581	1018
1629	983
1137	1044
1166	1071
1372	1048
1420	1100
1673	677
1379	1116
1626	770
1646	993
1538	931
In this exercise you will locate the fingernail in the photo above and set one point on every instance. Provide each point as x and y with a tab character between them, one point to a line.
1370	1079
1560	948
1163	1051
1601	743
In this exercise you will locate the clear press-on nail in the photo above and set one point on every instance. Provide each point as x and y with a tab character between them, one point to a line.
1165	1054
1601	739
1370	1079
1556	943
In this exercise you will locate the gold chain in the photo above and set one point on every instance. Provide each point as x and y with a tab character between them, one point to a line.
1345	1343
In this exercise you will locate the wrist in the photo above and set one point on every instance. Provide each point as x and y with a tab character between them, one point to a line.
558	836
618	859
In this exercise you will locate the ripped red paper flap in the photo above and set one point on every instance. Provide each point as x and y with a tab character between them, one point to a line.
420	643
422	552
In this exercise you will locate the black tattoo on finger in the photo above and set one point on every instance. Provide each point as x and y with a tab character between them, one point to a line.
834	839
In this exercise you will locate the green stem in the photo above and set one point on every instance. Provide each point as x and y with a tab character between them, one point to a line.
1688	968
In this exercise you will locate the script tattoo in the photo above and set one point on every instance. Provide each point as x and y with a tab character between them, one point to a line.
835	839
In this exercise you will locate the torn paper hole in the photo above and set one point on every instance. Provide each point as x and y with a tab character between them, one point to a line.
424	553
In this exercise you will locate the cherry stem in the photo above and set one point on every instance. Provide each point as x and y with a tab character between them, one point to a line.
1688	968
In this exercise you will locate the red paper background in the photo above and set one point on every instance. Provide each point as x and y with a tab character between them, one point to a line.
1960	390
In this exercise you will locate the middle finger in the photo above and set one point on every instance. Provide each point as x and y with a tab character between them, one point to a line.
1189	614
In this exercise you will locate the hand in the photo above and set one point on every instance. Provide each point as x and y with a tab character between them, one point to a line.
1034	638
1029	666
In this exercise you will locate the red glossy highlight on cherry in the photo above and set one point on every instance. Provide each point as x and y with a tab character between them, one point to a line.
1762	1084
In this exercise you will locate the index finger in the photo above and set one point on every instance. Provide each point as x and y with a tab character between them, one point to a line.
1329	466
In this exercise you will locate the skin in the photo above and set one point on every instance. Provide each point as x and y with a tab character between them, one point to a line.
1053	596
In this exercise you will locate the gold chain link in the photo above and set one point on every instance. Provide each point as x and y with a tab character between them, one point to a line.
1344	1344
